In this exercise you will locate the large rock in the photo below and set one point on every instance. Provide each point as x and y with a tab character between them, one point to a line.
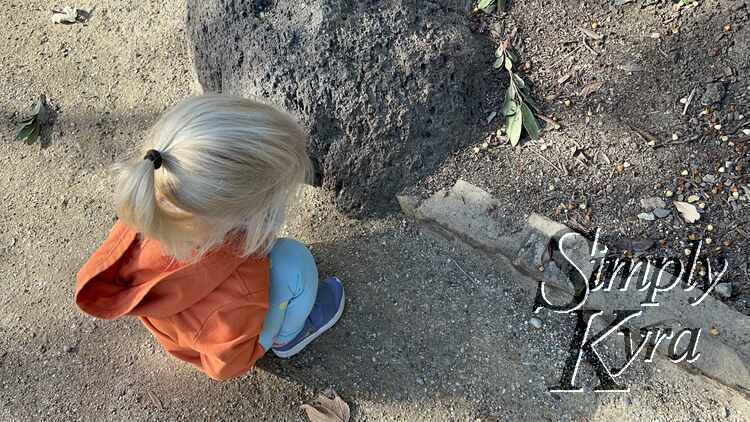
387	89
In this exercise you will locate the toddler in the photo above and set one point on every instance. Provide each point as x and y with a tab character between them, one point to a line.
195	253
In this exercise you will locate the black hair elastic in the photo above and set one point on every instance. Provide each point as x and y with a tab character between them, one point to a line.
154	156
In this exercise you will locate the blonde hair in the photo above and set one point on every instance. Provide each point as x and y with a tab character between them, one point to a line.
229	167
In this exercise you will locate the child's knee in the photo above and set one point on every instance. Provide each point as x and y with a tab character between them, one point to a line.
292	262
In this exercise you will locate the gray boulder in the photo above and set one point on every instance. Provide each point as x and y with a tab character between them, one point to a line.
387	89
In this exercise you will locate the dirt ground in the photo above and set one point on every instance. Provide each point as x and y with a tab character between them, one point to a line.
595	170
432	331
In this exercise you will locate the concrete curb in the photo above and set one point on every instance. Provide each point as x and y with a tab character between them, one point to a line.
471	215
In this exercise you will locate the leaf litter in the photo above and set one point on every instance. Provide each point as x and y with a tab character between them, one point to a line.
327	407
71	15
28	130
518	107
688	211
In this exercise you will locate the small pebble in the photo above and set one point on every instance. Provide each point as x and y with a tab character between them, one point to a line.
724	290
646	216
710	227
653	202
535	322
661	212
709	178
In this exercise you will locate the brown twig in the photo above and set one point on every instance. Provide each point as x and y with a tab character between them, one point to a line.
568	54
154	398
547	119
464	271
672	143
548	161
689	100
586	44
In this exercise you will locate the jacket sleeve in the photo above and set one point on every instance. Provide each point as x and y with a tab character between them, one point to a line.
228	341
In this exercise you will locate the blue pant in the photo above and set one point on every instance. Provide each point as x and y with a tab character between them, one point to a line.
294	286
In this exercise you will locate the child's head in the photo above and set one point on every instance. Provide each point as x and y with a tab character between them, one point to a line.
220	167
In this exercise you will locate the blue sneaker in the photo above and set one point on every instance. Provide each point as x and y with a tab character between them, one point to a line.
329	304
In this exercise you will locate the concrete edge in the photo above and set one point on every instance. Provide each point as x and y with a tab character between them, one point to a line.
472	216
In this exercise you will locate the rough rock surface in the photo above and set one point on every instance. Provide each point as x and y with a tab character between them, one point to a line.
387	89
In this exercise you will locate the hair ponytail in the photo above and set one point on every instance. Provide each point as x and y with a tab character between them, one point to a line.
233	165
136	199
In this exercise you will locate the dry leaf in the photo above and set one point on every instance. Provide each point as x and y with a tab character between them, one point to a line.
688	211
591	88
631	68
649	138
591	34
327	407
66	15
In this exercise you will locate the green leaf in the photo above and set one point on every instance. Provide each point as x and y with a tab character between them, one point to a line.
40	109
508	63
33	136
519	81
501	4
527	98
28	132
513	55
37	106
485	5
498	63
509	105
29	128
529	122
514	123
27	121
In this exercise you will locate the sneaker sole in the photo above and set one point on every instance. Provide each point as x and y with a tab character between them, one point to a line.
302	344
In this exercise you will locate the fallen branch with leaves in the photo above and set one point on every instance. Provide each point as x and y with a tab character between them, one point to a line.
518	107
29	129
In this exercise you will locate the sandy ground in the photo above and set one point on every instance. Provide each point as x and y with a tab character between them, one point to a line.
432	331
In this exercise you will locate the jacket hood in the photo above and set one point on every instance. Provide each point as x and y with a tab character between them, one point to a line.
107	288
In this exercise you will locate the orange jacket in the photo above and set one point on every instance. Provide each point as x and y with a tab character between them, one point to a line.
208	313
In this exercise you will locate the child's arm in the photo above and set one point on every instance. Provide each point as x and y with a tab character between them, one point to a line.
228	341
